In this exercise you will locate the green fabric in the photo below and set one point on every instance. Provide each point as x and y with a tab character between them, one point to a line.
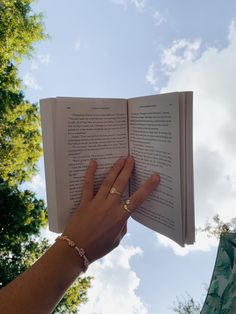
221	296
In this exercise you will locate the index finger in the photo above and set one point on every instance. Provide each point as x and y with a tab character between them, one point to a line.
87	194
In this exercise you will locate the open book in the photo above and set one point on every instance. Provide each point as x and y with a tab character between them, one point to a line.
156	130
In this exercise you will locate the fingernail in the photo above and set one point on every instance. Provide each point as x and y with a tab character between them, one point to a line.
155	177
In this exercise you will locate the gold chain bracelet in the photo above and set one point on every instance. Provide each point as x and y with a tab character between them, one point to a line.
79	250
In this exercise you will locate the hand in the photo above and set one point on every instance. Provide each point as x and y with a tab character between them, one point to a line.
100	222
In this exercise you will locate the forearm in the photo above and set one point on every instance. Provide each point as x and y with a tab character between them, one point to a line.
98	225
40	288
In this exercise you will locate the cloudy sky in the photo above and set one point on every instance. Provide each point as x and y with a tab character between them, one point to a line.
128	48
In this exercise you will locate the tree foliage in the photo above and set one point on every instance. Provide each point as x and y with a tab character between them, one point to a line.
187	306
20	140
22	215
216	226
20	28
20	143
75	296
212	228
10	95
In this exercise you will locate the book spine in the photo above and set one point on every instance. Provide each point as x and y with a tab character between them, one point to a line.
190	182
128	138
47	111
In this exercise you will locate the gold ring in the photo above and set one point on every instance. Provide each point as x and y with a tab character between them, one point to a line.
125	206
113	190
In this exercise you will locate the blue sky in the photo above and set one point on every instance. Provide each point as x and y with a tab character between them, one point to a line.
128	48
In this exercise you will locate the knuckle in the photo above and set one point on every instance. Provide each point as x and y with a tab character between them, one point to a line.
87	175
88	170
87	182
122	181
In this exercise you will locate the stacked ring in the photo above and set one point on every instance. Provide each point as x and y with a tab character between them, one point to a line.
125	206
113	190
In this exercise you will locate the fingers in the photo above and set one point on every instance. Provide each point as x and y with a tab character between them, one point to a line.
141	194
119	177
122	180
109	180
89	181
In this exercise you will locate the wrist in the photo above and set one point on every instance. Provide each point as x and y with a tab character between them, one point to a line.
70	257
79	251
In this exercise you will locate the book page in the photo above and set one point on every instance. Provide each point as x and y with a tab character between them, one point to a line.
87	129
154	143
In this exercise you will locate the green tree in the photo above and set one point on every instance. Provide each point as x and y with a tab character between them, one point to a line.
216	226
20	28
75	296
212	228
10	95
20	143
187	306
22	215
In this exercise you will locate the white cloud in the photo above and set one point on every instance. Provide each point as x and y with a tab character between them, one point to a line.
203	243
49	235
40	59
180	52
113	289
30	81
212	77
139	4
123	3
44	58
159	18
151	76
36	183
